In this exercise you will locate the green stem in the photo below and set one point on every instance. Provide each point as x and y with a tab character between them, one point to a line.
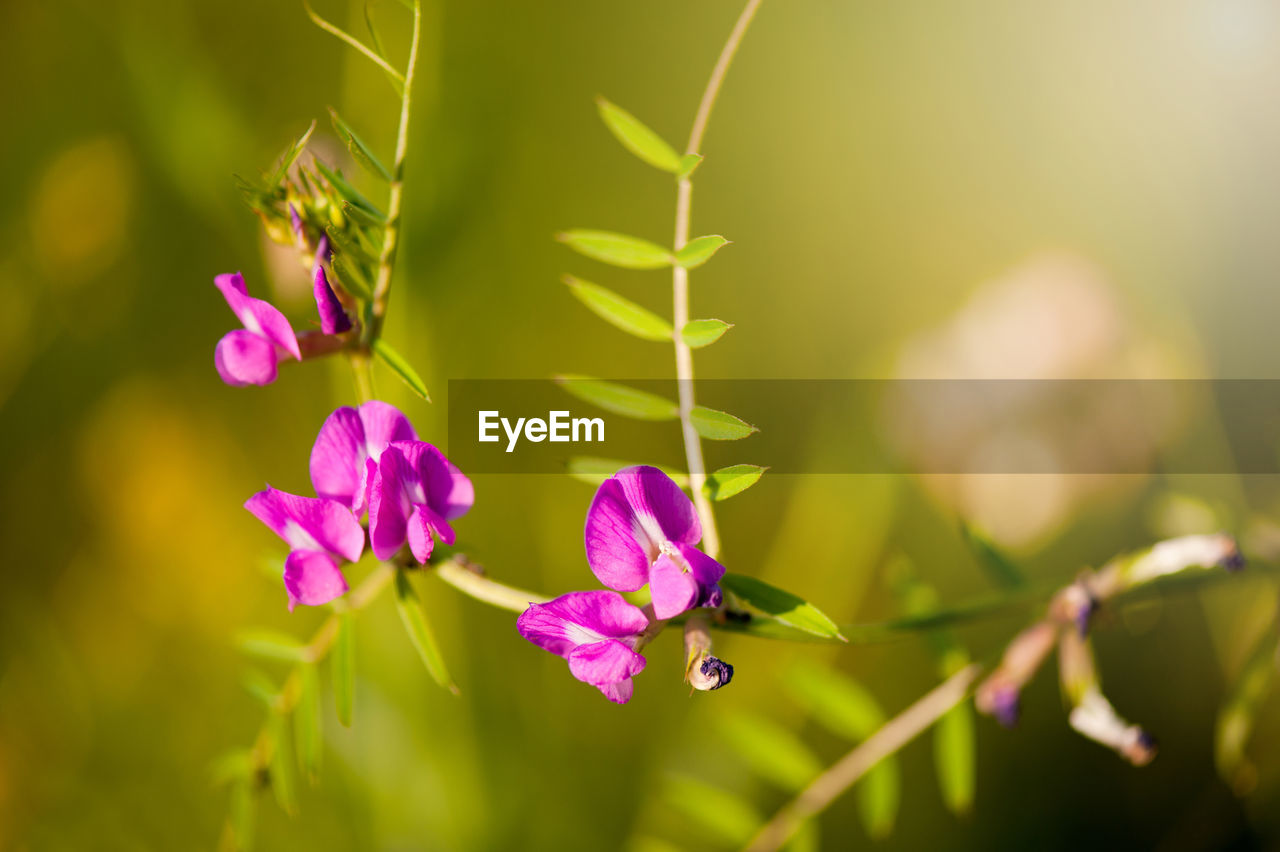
680	288
473	584
386	262
362	369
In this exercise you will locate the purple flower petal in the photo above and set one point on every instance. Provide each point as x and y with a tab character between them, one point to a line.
309	523
662	508
619	554
423	526
258	316
389	506
383	424
337	458
673	589
620	692
243	358
347	440
333	319
312	578
438	481
580	618
603	663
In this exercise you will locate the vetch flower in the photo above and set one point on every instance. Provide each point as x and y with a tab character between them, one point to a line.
348	440
414	491
597	632
317	530
249	356
641	528
333	319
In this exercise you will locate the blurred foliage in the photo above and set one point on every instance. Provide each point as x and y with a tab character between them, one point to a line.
876	165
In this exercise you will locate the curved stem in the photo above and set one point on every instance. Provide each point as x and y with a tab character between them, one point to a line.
680	287
895	733
386	262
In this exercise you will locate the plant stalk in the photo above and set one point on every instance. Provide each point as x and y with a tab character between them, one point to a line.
680	287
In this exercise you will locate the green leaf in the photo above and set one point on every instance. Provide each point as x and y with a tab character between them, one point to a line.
837	702
688	165
364	218
271	645
772	751
623	313
594	470
846	709
620	399
954	758
722	814
283	782
373	30
637	138
997	566
307	732
350	278
617	249
415	621
878	794
261	687
290	156
346	190
343	662
1238	715
699	250
394	76
790	609
700	333
360	152
400	367
235	765
243	813
728	481
719	425
349	245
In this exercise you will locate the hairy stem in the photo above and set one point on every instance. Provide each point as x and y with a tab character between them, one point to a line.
473	584
842	775
680	287
386	262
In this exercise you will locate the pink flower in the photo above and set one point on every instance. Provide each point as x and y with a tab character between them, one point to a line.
641	528
596	632
249	356
317	530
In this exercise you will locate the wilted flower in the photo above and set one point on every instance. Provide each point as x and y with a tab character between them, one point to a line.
702	670
317	530
597	632
249	356
641	528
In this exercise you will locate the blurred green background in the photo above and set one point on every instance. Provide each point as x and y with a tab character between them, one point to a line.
905	183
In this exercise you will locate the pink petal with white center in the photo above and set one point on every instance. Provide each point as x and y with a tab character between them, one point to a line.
706	570
603	663
673	589
243	358
663	509
618	551
258	316
312	578
309	523
580	618
338	456
383	424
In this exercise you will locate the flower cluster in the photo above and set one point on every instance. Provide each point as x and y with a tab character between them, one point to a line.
364	459
1066	627
641	530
